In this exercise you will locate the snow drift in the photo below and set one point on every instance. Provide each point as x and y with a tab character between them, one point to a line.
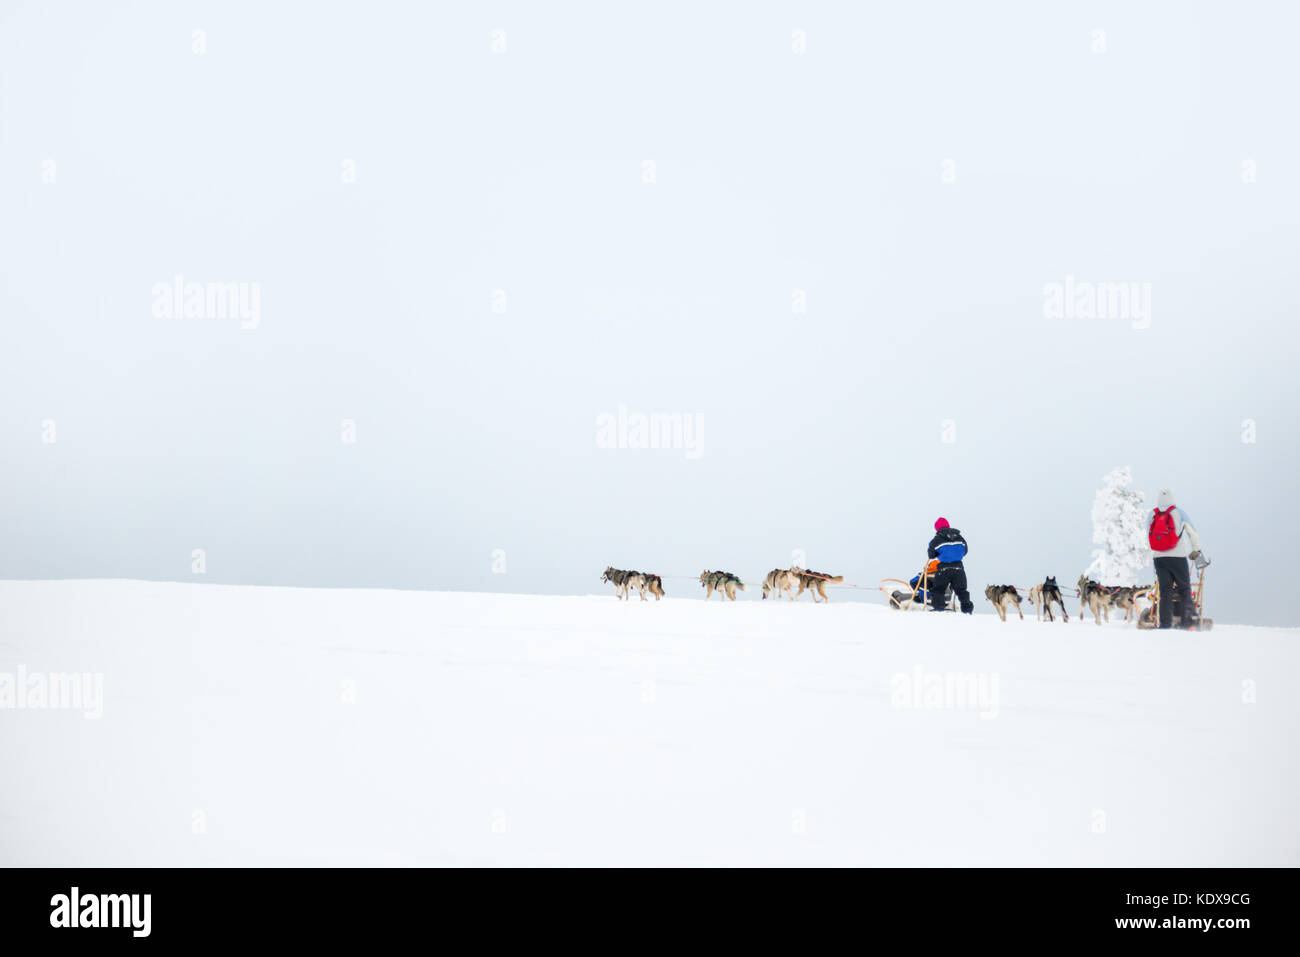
297	726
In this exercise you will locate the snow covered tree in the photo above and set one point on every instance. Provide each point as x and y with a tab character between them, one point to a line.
1119	526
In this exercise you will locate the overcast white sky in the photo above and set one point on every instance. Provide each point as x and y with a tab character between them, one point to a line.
921	173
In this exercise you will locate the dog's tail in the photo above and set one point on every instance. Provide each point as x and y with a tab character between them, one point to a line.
836	580
740	584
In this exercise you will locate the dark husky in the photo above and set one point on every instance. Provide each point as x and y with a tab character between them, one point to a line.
621	580
1043	596
724	583
1002	596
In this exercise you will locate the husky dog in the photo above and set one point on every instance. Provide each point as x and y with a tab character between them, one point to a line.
1002	596
1109	596
619	579
724	583
1043	596
1095	598
1126	597
645	582
815	582
625	581
780	580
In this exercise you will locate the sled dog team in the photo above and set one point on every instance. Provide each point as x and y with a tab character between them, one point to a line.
1172	538
1094	597
1173	542
778	580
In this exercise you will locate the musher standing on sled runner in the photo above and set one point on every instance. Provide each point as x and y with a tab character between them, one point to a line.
1173	540
949	548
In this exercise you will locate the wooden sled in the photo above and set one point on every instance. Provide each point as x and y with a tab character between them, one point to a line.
1149	618
904	598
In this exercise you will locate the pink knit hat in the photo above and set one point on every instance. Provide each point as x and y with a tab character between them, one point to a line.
940	523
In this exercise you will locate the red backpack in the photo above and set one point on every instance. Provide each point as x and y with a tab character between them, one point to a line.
1163	534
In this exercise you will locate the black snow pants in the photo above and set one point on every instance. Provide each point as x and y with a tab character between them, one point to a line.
1175	584
953	574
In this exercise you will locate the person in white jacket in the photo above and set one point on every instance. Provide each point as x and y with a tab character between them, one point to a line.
1173	541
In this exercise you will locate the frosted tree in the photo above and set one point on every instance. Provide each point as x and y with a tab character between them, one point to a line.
1119	527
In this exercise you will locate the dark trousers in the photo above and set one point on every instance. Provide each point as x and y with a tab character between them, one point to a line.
1175	584
950	575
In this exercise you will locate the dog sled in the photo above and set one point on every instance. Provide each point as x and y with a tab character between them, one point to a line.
1149	617
914	594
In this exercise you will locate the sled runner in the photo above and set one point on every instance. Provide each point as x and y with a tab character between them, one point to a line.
1149	618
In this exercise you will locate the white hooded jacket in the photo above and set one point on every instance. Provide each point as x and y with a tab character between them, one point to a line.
1188	540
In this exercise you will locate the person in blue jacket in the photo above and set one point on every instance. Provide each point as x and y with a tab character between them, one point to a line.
949	548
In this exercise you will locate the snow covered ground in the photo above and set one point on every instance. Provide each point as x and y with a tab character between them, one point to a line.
297	726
